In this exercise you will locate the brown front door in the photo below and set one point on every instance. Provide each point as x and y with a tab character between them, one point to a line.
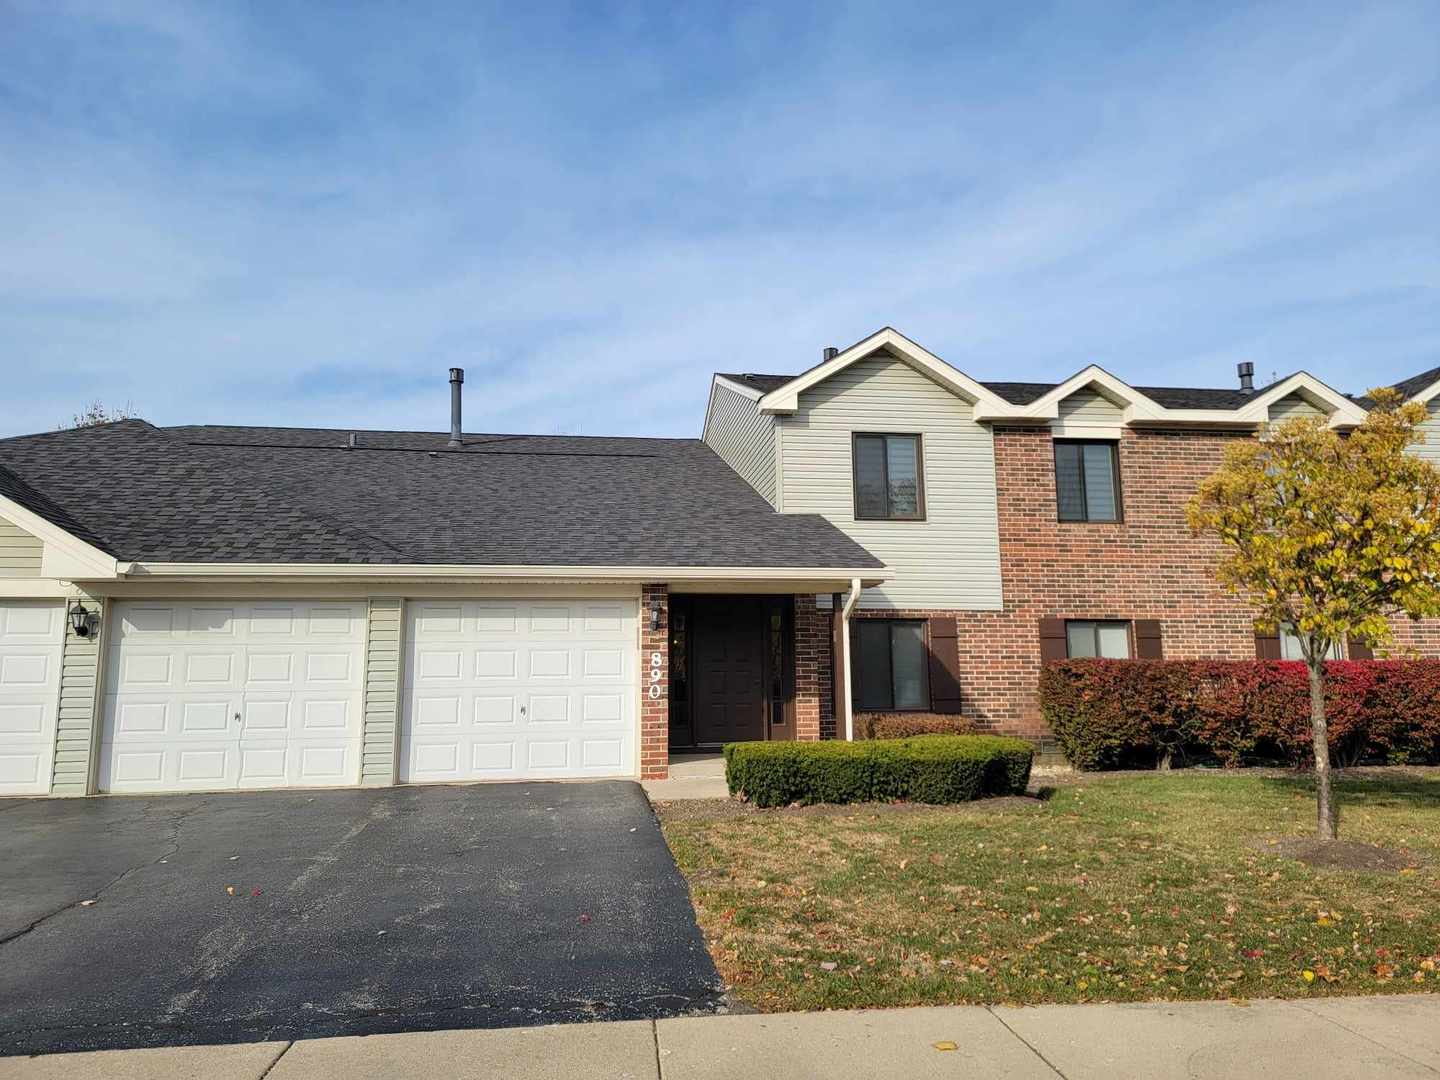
728	637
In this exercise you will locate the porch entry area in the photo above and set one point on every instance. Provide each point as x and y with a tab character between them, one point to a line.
732	670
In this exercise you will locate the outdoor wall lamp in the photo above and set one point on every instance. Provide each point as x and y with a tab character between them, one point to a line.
82	620
654	615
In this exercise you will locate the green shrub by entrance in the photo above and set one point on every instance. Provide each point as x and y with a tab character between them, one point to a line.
925	769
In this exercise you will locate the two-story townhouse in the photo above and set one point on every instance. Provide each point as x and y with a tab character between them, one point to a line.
198	608
1021	521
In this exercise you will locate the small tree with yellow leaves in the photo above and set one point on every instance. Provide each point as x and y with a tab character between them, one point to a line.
1328	536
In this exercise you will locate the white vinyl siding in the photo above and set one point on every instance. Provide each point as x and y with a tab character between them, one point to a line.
951	559
79	679
744	438
1088	407
1430	448
1288	408
19	551
382	691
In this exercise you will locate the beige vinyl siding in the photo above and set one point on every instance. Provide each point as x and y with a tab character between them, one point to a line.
382	691
1430	448
79	685
1291	406
951	560
1088	407
19	551
744	438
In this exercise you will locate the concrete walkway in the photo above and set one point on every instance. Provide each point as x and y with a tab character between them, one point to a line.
1323	1039
692	776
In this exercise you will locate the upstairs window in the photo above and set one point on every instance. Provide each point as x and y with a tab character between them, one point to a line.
1087	480
889	478
1110	640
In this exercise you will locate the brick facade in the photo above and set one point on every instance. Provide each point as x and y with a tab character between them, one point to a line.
654	706
1149	566
814	703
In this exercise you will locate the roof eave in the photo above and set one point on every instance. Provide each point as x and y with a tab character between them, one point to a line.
199	571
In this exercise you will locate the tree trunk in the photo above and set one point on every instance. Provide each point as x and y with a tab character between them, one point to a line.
1324	795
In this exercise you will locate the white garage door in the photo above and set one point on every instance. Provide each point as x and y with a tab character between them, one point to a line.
31	636
207	695
507	689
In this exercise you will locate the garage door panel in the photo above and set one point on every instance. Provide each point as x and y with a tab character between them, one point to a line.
31	640
31	624
207	622
503	664
510	689
218	695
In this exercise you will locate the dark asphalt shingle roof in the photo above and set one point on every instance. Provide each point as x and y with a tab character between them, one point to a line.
763	383
230	494
1413	385
1026	393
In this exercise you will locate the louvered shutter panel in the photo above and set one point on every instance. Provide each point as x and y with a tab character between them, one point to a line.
1148	645
944	666
1052	640
1358	650
1267	646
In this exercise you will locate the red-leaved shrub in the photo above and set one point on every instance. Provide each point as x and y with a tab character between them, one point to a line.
908	725
1133	713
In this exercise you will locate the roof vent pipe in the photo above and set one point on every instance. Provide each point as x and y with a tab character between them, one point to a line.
1247	376
830	352
457	380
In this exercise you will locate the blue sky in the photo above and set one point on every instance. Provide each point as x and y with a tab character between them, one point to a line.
304	213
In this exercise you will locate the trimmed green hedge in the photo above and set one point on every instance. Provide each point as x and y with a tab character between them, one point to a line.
927	769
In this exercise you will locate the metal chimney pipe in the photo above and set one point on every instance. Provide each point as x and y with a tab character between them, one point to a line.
1246	371
457	380
830	352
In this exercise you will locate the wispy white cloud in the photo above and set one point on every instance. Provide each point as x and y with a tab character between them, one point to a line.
305	216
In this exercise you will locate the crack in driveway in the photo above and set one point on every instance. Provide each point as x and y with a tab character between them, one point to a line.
174	842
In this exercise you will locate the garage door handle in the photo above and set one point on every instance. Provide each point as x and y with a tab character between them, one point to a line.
522	710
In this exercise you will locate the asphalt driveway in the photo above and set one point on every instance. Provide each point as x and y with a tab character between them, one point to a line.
239	917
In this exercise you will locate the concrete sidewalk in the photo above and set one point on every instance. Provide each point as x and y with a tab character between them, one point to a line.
692	776
1323	1039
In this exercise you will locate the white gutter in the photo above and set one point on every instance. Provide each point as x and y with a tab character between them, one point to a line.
418	570
851	599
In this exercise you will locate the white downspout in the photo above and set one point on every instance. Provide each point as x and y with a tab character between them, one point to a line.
851	599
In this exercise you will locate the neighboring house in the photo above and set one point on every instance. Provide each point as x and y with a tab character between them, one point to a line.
199	608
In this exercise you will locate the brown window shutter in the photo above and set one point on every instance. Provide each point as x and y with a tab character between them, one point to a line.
1052	640
1267	646
944	666
1356	649
1148	645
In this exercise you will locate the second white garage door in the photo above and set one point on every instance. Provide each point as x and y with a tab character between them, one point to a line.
511	689
201	696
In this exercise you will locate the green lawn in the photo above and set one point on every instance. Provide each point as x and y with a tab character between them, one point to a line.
1114	889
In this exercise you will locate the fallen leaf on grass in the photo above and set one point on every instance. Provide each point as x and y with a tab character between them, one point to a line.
945	1044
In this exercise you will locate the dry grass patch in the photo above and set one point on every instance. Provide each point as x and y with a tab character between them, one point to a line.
1117	889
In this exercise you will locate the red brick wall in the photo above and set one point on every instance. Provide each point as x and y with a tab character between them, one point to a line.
814	703
1149	566
654	711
